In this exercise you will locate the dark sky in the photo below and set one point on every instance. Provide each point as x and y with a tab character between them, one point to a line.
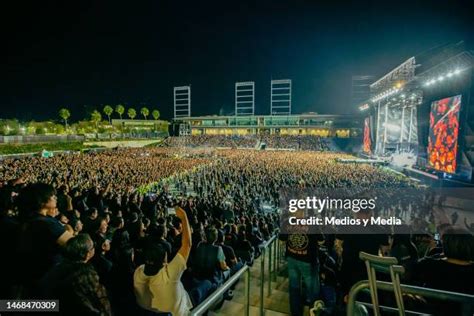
84	54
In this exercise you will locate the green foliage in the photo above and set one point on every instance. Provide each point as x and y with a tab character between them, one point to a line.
65	114
85	127
155	114
108	110
145	112
41	128
91	126
131	113
96	117
9	127
59	129
120	109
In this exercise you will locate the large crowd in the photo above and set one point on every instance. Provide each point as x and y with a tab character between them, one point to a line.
296	142
275	141
76	228
117	172
236	141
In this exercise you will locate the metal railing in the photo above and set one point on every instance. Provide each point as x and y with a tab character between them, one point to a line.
217	294
274	249
386	265
275	255
467	301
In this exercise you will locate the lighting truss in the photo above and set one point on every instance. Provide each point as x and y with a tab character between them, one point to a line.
280	97
182	101
244	98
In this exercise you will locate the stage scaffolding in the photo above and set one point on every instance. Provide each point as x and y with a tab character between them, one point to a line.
396	124
395	104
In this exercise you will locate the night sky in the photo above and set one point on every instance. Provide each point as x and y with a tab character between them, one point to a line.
84	54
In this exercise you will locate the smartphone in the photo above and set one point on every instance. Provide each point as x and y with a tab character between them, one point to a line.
436	237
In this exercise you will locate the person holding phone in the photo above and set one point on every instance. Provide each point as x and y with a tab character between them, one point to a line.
157	283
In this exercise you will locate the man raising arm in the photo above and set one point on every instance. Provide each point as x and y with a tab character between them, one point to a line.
186	242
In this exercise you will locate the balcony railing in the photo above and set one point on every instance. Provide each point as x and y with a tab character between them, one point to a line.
467	301
274	250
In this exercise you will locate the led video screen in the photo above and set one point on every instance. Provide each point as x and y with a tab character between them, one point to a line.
443	134
367	140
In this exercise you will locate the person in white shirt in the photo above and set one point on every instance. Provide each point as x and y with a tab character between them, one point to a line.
157	283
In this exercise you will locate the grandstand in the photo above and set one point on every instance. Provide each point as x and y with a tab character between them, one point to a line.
293	132
341	126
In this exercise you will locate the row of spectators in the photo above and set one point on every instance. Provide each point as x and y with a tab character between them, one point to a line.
234	141
295	142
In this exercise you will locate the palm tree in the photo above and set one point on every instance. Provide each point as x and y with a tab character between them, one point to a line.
96	117
108	110
131	113
64	114
120	109
155	114
145	112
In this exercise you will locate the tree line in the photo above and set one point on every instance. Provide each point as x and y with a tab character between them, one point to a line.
108	110
93	124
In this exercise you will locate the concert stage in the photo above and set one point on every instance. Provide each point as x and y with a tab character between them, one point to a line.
420	116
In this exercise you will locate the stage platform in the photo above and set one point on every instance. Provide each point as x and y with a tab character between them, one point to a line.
433	179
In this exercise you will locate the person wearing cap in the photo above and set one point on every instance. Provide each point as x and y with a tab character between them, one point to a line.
157	283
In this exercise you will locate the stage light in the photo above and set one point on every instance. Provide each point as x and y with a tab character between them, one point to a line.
363	107
403	96
450	74
457	71
440	78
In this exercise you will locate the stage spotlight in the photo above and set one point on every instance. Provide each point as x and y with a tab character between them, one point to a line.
450	74
364	107
440	78
403	96
428	83
457	71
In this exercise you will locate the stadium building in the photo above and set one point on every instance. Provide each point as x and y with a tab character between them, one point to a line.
338	126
